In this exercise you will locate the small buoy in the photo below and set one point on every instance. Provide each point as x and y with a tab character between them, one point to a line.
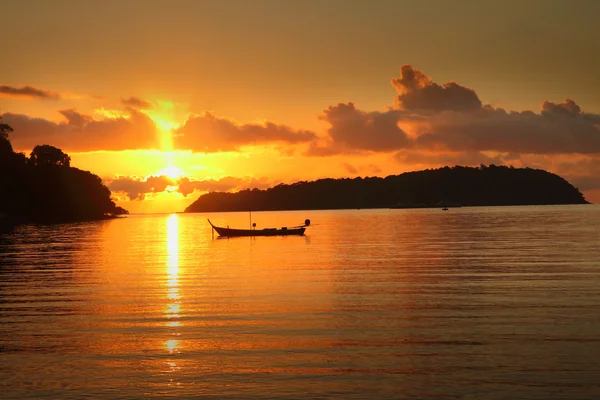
307	222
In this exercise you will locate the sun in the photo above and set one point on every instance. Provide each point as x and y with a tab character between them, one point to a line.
171	171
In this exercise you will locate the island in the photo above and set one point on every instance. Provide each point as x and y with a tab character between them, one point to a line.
443	187
44	188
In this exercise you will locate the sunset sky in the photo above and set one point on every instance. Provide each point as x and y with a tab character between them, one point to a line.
165	100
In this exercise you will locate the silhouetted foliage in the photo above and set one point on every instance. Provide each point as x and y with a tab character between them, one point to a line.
5	146
465	186
44	188
49	155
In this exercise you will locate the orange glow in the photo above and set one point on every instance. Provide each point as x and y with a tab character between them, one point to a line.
112	114
413	128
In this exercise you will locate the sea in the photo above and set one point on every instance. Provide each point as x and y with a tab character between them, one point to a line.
469	303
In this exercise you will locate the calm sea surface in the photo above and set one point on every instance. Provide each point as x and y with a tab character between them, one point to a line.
471	303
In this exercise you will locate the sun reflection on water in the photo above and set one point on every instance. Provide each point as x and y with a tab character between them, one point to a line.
173	307
172	346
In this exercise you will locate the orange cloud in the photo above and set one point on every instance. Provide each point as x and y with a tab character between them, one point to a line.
208	133
137	188
82	132
188	186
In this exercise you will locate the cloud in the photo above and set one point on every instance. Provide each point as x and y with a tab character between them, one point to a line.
27	92
450	119
226	184
208	133
137	188
416	91
323	150
188	186
136	103
350	168
359	130
371	169
566	108
467	158
82	132
559	129
76	119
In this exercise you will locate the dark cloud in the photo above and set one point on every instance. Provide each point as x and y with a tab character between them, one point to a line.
136	103
416	91
27	91
82	133
359	130
441	159
451	118
559	129
208	133
566	108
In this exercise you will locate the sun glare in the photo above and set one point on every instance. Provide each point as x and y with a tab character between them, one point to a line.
164	116
164	124
171	171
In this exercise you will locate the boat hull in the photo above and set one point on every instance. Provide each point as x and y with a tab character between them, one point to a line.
230	232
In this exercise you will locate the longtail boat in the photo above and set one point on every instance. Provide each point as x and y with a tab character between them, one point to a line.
284	231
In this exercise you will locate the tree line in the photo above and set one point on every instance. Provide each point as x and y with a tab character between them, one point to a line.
448	186
45	188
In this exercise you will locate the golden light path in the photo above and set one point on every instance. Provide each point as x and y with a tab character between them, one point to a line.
164	116
173	307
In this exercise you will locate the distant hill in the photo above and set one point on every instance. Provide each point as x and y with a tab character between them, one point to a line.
45	188
465	186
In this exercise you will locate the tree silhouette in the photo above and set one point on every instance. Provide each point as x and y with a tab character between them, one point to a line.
45	188
49	155
465	186
5	145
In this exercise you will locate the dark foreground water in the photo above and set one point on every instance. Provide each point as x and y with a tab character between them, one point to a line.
471	303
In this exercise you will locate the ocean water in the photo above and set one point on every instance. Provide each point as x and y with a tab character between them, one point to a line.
469	303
